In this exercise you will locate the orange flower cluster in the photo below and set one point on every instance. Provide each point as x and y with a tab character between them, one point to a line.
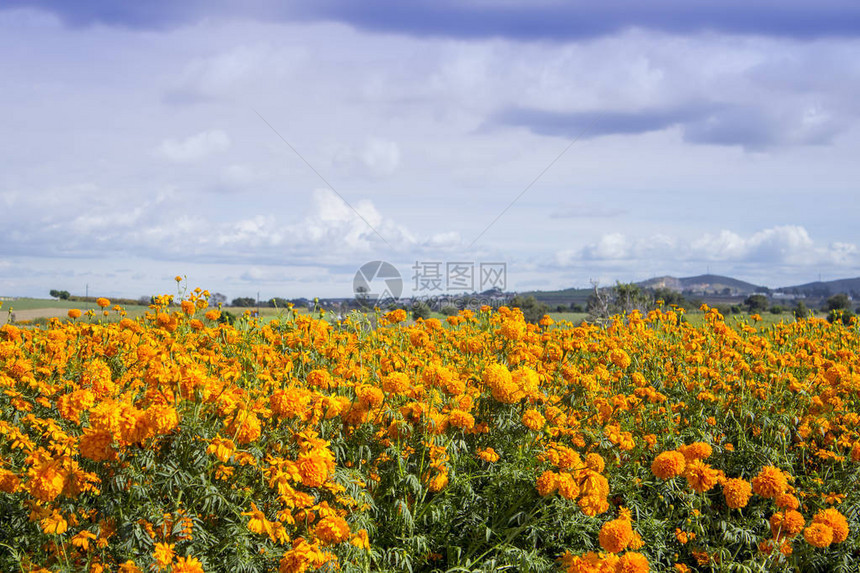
305	443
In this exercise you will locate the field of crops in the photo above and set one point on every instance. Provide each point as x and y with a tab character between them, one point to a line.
176	443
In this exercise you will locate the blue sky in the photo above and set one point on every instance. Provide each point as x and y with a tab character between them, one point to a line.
707	136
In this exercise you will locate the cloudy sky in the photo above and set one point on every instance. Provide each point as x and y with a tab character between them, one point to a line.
275	147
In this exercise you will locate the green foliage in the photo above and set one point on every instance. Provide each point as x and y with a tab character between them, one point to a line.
532	309
756	303
420	310
837	302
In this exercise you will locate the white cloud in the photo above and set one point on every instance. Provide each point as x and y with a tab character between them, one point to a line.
777	246
195	147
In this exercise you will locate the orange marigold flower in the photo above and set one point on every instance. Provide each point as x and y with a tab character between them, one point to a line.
361	540
245	427
438	482
619	358
668	464
595	462
187	565
163	555
46	480
855	452
696	451
313	470
684	537
74	313
547	483
701	476
488	455
54	524
460	419
221	448
533	420
97	445
786	524
9	482
129	567
567	486
615	535
103	302
787	501
396	383
161	419
834	520
737	492
818	535
770	482
632	562
332	529
82	539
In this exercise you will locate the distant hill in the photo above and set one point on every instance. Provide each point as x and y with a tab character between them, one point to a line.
826	288
715	284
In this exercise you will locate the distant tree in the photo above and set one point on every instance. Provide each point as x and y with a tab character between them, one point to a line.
756	303
838	302
243	301
668	296
776	309
277	302
420	310
60	294
574	307
800	310
449	310
217	298
561	308
532	309
623	298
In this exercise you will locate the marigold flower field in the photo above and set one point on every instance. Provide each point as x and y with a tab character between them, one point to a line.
179	443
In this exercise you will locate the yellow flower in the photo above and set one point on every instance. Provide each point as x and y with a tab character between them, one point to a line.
361	540
54	524
163	554
187	565
488	455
